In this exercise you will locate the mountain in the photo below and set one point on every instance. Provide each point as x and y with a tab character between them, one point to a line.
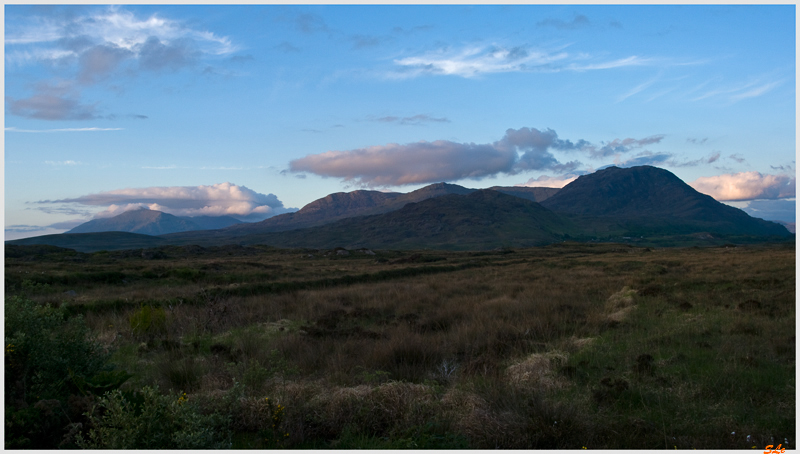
643	204
97	241
327	209
650	200
481	219
331	208
151	222
537	194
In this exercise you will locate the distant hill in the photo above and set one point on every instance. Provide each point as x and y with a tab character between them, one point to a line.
152	222
342	205
648	199
91	242
790	226
643	204
331	208
327	209
480	219
536	194
213	222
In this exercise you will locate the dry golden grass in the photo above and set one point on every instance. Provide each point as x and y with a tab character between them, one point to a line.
496	353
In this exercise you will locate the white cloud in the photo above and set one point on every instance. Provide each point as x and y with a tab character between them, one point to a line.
111	26
619	63
474	61
746	186
213	200
477	60
93	45
61	163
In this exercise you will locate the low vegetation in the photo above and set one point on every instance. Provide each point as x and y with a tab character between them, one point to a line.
602	346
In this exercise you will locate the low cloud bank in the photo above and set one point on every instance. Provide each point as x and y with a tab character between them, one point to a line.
519	150
215	200
420	162
746	186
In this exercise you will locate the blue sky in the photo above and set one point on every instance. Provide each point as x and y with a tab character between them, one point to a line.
257	110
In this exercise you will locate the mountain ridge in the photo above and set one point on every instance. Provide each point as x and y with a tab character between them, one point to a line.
643	204
153	222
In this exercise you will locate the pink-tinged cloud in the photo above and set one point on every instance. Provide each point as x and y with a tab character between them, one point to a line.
545	181
519	150
213	200
414	163
746	186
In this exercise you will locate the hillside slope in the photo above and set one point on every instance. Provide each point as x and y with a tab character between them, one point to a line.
152	222
482	219
648	199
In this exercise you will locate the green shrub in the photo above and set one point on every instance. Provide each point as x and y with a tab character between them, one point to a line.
181	373
148	420
148	320
45	351
188	274
51	365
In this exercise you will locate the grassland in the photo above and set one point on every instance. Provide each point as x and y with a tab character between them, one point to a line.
560	347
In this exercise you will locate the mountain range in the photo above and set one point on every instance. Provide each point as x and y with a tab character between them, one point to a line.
151	222
645	202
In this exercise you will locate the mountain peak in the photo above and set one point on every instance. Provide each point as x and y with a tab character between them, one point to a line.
152	222
655	194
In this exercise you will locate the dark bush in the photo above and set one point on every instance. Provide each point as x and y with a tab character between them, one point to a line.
48	359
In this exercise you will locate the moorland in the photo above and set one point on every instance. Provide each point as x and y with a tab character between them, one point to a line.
564	346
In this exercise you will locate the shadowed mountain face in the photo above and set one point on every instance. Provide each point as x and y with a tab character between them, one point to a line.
321	211
151	222
642	203
96	241
649	196
538	194
481	219
342	205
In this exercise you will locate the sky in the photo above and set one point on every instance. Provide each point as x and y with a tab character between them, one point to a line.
256	110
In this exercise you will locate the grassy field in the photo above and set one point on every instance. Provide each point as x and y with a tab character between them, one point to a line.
565	346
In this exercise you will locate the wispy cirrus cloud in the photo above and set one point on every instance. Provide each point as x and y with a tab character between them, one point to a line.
649	158
620	146
474	61
13	129
61	163
579	21
415	120
735	93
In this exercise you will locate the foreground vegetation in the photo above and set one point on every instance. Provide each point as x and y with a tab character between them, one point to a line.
566	346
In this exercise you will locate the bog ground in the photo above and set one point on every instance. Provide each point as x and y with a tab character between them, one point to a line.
564	346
